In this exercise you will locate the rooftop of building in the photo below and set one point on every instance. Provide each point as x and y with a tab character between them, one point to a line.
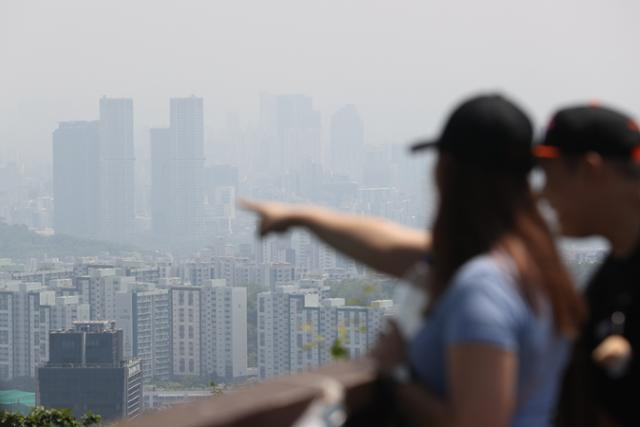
92	326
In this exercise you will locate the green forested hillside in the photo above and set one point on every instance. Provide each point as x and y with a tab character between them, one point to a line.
19	242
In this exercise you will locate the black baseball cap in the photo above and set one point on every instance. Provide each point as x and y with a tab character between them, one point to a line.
579	129
488	129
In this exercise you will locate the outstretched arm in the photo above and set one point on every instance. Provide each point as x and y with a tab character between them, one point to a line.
377	243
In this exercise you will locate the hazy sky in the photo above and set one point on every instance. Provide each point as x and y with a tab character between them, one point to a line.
402	63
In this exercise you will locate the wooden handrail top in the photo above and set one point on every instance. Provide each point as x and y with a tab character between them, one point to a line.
275	402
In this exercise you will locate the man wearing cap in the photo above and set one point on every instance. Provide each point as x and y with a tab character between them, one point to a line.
591	158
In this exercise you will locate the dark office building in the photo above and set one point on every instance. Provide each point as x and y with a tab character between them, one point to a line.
87	371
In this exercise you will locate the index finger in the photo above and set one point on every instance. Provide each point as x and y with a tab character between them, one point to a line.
249	205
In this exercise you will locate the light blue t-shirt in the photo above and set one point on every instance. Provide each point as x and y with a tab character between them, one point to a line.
483	304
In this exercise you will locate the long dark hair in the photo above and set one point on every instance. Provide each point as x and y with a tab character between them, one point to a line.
483	208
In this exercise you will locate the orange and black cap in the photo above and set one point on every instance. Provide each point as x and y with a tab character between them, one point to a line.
580	129
488	129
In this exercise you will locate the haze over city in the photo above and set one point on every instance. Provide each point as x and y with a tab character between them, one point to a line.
400	64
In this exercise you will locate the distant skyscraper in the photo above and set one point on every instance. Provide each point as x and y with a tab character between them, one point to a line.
291	132
117	179
177	156
163	182
346	147
76	179
87	372
187	128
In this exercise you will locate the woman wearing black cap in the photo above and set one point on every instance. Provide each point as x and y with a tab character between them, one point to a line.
502	309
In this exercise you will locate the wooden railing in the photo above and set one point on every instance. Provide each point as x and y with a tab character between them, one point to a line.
276	402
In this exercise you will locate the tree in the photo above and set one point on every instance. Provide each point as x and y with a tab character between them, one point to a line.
216	390
361	291
45	417
338	350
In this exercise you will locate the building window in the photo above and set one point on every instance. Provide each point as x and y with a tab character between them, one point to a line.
191	298
181	333
190	331
181	365
191	365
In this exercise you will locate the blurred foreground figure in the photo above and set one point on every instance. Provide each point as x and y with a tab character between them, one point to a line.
502	309
591	159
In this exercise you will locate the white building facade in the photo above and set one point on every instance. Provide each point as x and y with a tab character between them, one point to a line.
297	329
24	328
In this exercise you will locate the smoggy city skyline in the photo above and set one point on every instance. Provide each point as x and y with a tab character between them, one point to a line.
399	64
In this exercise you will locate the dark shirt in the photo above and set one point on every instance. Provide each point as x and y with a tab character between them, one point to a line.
613	296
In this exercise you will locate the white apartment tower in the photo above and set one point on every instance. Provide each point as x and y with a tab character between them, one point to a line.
152	332
223	329
99	289
296	329
209	330
286	328
24	328
143	314
66	310
185	330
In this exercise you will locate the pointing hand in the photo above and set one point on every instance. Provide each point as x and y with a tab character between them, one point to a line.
274	217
